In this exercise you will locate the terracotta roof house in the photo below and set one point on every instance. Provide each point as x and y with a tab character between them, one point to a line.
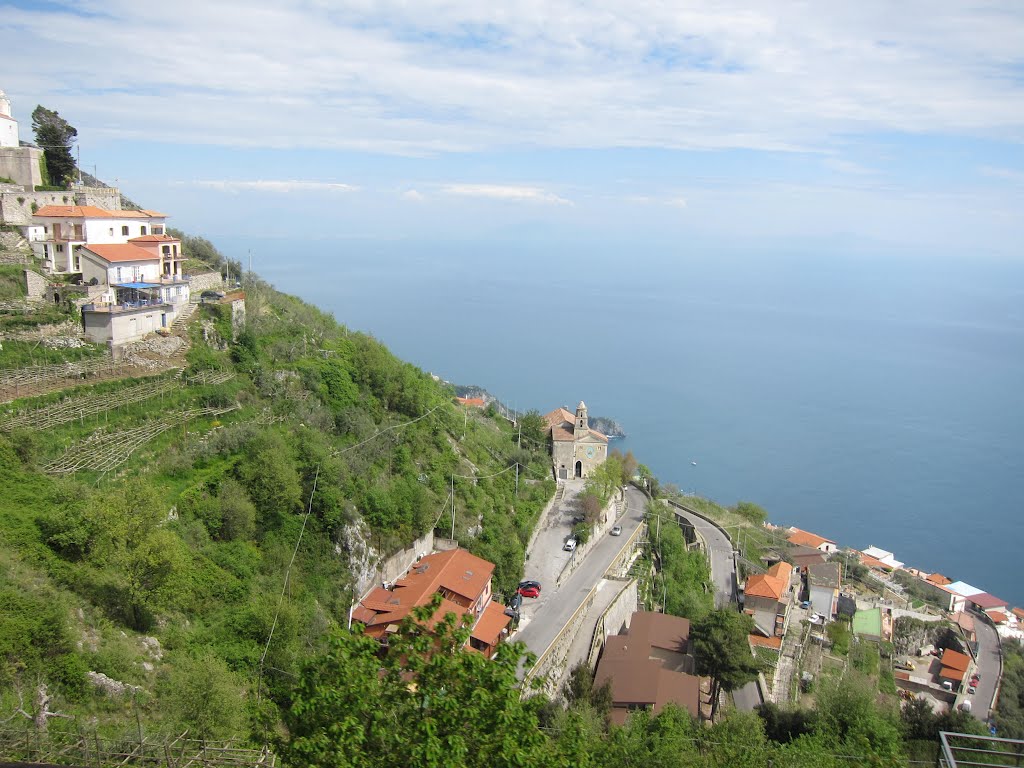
1019	613
988	603
471	402
649	666
998	617
954	666
812	540
803	556
464	582
766	598
63	228
938	579
576	449
887	559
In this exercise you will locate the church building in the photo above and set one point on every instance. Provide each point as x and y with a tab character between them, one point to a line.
576	449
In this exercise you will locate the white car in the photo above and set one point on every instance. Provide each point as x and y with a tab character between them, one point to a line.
616	530
569	545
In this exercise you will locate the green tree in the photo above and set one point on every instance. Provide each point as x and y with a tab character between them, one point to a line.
534	429
268	473
721	651
201	694
238	514
55	136
752	512
849	716
153	573
428	702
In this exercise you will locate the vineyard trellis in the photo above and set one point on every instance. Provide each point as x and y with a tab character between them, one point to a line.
33	746
78	408
32	379
104	451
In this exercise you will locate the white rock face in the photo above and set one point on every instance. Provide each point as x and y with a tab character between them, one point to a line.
110	685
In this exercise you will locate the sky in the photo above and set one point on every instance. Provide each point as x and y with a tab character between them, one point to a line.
831	125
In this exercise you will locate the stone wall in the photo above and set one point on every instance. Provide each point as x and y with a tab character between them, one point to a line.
16	206
21	164
204	281
616	617
395	566
549	664
237	318
35	286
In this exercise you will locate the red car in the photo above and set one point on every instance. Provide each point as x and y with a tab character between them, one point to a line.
529	591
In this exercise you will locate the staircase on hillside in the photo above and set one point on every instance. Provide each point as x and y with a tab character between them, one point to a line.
182	318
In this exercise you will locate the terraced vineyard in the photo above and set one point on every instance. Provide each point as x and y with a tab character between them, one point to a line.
104	451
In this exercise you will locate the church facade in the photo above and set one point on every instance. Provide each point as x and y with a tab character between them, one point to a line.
576	449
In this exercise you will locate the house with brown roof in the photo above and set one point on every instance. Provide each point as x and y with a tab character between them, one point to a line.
988	603
471	402
649	666
576	449
812	540
463	582
954	667
63	228
767	599
937	579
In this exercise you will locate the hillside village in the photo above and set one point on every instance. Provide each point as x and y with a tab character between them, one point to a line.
211	483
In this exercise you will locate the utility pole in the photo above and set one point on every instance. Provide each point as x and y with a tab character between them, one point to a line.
519	446
453	508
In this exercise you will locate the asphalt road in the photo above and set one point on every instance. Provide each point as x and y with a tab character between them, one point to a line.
544	617
988	666
723	574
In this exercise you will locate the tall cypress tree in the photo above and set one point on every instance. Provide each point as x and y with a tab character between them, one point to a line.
55	136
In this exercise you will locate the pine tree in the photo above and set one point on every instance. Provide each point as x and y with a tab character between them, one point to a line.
55	136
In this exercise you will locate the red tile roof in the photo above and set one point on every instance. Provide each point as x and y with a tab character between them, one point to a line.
999	617
952	674
985	601
492	622
955	660
762	585
93	212
939	579
767	642
154	239
781	570
121	252
559	416
1018	612
807	539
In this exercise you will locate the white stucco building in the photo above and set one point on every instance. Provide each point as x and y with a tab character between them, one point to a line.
8	125
67	227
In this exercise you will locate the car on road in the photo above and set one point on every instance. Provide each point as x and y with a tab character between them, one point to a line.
905	665
529	591
212	295
515	602
569	545
971	689
529	583
616	530
577	519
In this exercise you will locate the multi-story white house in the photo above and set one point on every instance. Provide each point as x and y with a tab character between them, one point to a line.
146	287
58	230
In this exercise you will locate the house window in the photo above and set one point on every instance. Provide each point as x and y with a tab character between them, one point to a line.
78	263
142	229
177	291
158	230
167	250
124	230
119	274
111	231
60	248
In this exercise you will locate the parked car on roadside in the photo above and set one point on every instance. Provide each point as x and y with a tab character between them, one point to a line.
971	689
529	583
515	602
529	591
569	545
616	530
212	295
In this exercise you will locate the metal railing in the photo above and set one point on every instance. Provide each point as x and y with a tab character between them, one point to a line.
962	749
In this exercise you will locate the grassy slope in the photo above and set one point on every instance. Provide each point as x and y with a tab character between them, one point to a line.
188	542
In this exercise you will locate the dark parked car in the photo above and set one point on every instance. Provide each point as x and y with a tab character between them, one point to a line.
515	602
577	519
212	295
529	591
529	583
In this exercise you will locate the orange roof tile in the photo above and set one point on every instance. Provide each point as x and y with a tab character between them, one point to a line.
807	539
1018	612
471	402
952	674
488	628
998	617
561	434
767	642
781	570
559	416
72	212
762	585
873	562
122	252
154	239
955	659
938	578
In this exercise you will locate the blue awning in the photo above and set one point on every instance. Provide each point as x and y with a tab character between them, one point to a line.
137	286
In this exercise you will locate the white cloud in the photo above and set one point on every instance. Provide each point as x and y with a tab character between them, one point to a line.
283	186
412	194
847	167
442	75
507	192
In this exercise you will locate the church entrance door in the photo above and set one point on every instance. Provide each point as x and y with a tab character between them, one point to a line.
579	469
563	473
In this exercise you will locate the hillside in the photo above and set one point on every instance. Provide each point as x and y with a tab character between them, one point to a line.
193	535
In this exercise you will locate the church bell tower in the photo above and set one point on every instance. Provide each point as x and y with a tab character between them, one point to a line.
581	426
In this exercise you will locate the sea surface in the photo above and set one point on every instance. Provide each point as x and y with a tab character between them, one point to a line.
873	399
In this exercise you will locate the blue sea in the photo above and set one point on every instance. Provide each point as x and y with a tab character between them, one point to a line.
873	398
